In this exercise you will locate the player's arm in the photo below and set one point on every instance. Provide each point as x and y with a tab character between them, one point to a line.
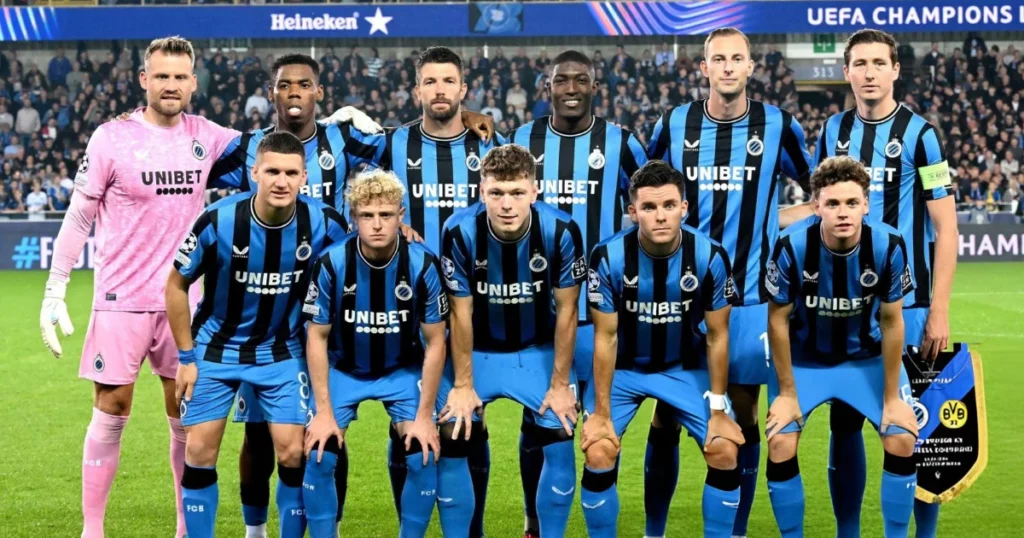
481	124
718	290
796	165
434	313
190	263
603	300
572	270
891	323
318	310
935	180
462	399
227	170
661	139
783	289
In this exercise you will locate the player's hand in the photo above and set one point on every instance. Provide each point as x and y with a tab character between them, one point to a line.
936	334
784	410
53	313
409	234
481	124
122	116
562	402
424	430
319	431
185	382
462	403
897	412
358	118
722	426
597	428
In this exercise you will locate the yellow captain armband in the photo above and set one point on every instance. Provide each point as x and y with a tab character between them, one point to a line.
934	175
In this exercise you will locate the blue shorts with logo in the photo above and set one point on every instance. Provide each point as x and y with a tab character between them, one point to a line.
521	376
914	320
749	356
682	390
279	391
244	412
858	383
398	390
583	357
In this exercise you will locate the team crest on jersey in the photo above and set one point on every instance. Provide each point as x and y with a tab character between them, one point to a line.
403	292
689	282
313	293
242	406
303	252
448	266
188	246
326	160
198	151
893	149
593	281
596	159
98	363
868	278
920	413
473	161
755	146
538	263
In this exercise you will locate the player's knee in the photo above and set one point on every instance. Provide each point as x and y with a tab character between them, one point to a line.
601	455
114	399
200	451
548	436
664	417
289	453
721	454
901	444
898	464
844	419
783	446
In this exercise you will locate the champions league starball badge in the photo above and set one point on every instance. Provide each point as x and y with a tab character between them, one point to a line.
313	293
448	266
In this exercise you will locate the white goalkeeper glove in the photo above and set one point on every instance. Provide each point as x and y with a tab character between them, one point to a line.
53	313
358	118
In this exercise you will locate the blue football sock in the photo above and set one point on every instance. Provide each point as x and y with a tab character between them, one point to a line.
748	461
418	495
454	500
926	518
396	468
721	502
289	502
786	491
847	468
661	472
899	483
600	500
199	496
531	460
556	487
319	495
479	459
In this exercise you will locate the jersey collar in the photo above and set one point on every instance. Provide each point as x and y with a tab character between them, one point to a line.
359	249
256	218
316	131
652	256
438	139
707	114
883	120
848	253
529	226
593	121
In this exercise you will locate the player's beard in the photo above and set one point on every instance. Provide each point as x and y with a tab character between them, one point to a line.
442	117
168	108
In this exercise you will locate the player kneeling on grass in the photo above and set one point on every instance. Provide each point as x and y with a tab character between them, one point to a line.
835	326
651	287
377	314
512	266
255	254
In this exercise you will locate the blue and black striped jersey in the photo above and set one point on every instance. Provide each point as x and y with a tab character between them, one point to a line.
660	301
512	282
732	170
331	154
375	311
586	175
255	277
908	168
837	297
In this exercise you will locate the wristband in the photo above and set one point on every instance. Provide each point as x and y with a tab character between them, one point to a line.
186	358
717	402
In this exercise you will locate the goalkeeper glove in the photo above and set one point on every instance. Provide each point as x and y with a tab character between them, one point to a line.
358	118
53	313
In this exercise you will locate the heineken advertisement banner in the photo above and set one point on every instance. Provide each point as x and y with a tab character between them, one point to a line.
476	19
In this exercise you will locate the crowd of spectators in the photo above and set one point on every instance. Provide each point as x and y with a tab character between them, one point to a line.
47	113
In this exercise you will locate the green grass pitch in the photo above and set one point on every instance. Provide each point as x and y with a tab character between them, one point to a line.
44	410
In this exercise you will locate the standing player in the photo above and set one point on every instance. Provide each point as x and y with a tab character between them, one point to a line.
836	331
377	314
513	268
651	287
910	191
583	168
438	159
255	253
731	151
142	180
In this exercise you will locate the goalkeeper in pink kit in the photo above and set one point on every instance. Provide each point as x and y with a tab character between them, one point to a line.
142	180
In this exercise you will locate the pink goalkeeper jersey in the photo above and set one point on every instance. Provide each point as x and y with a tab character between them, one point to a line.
150	182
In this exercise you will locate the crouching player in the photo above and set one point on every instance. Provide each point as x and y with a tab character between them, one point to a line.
835	327
377	314
650	289
255	252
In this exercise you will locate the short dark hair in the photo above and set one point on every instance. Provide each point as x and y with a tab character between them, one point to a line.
438	55
296	59
836	170
867	36
573	56
655	174
281	142
510	162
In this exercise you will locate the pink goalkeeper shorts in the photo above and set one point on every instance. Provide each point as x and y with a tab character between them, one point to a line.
118	342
